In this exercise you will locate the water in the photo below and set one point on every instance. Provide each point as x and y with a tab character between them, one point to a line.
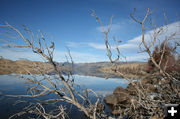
11	84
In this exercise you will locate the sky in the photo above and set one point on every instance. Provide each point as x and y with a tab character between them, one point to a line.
69	23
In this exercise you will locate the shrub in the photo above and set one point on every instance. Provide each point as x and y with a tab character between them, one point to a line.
165	56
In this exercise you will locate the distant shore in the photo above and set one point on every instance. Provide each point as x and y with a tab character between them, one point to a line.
97	69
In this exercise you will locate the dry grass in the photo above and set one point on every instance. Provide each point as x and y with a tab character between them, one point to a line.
132	70
23	67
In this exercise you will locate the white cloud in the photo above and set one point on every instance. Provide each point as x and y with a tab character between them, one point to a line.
75	44
119	26
133	44
124	47
58	56
168	30
138	57
15	54
128	46
129	49
114	27
97	46
77	56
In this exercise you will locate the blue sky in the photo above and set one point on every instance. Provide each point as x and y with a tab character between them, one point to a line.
69	24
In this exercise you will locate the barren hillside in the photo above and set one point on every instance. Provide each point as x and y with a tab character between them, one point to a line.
23	67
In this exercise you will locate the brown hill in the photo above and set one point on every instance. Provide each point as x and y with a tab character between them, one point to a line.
99	69
133	69
23	67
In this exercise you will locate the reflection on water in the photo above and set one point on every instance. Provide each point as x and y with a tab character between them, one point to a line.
100	85
12	84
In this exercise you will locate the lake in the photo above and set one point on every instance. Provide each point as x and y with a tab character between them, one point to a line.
11	84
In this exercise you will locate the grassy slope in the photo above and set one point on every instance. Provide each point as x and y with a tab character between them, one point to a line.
133	70
99	69
23	67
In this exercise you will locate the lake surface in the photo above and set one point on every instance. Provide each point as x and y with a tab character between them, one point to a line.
11	84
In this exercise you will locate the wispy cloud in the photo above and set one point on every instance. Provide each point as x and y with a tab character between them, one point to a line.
15	55
131	47
137	57
116	27
59	56
77	56
97	46
126	46
75	44
168	30
135	42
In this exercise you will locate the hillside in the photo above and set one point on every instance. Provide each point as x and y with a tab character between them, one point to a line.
133	69
98	69
23	67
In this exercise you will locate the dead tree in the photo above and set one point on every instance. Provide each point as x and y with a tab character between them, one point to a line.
142	105
58	85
